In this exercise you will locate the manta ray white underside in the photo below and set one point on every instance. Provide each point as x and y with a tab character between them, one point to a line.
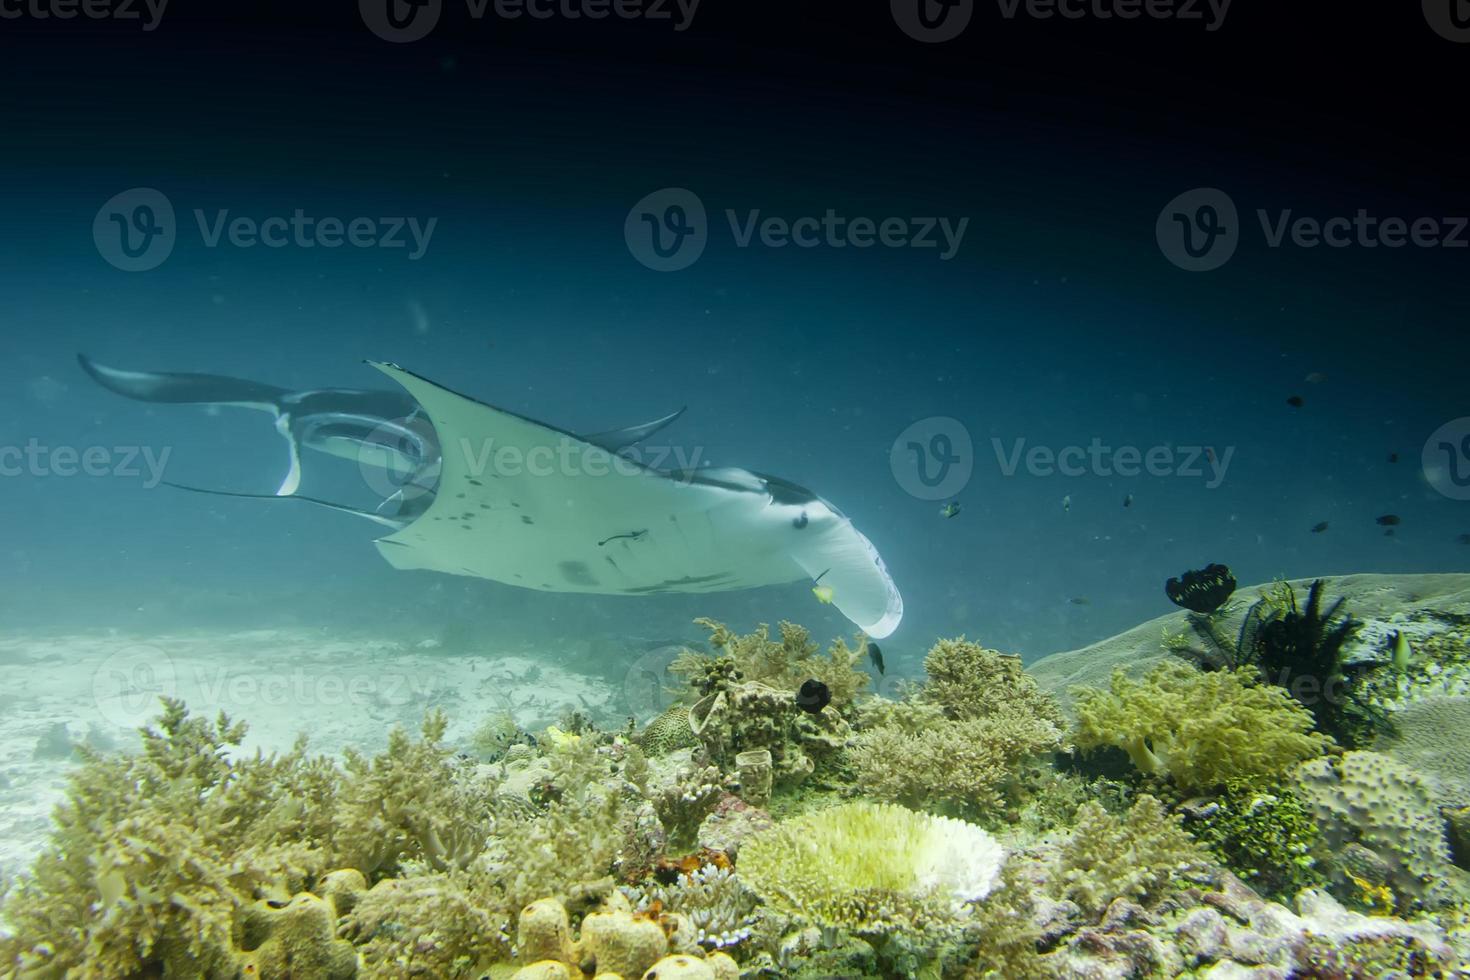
526	504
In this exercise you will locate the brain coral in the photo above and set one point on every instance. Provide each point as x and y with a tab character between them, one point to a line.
871	867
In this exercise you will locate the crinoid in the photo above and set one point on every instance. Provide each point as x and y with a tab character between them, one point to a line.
1301	648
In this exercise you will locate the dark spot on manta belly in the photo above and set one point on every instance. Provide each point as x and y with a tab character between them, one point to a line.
475	483
526	520
459	496
576	573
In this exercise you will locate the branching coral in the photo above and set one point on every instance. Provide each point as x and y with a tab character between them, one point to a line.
153	856
871	868
410	802
718	905
1200	729
782	665
961	742
1136	856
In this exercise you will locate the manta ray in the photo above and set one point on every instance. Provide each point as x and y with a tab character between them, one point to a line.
484	492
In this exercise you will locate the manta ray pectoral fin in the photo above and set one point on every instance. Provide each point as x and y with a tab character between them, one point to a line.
184	389
615	439
382	519
846	562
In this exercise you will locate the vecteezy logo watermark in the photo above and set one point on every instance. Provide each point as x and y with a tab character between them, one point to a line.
37	460
1446	459
933	459
1099	459
667	231
147	12
1449	18
1210	12
136	230
935	21
1199	230
404	21
127	685
932	21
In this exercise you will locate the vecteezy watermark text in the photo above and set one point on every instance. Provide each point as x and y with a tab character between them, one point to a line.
1200	230
669	229
136	230
129	462
1099	459
936	21
148	12
404	21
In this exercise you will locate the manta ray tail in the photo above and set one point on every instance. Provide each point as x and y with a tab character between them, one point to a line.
184	389
382	519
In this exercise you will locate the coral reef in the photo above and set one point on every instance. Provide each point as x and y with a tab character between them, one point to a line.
1265	834
721	909
871	868
961	742
783	665
584	853
1368	805
1134	857
1200	729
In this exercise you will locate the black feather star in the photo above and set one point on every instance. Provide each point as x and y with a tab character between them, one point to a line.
1301	648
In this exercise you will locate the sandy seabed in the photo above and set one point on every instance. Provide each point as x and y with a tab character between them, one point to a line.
99	688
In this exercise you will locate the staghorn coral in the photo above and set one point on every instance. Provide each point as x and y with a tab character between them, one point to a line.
962	742
969	681
684	802
966	768
1200	729
872	868
718	905
1137	856
1369	800
154	857
410	802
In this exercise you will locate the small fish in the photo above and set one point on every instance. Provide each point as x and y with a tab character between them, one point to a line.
950	509
813	696
1403	654
823	593
1319	528
1067	502
1389	520
1393	457
1080	600
1464	539
875	656
1315	378
1296	401
1128	500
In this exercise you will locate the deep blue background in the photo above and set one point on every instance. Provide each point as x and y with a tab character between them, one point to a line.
1059	320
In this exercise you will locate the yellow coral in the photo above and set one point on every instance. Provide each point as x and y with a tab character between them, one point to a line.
1200	729
680	968
545	932
870	867
615	941
298	940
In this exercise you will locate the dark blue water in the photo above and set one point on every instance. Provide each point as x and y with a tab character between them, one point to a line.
1057	321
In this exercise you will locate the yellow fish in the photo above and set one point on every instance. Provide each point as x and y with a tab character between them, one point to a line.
559	738
823	593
